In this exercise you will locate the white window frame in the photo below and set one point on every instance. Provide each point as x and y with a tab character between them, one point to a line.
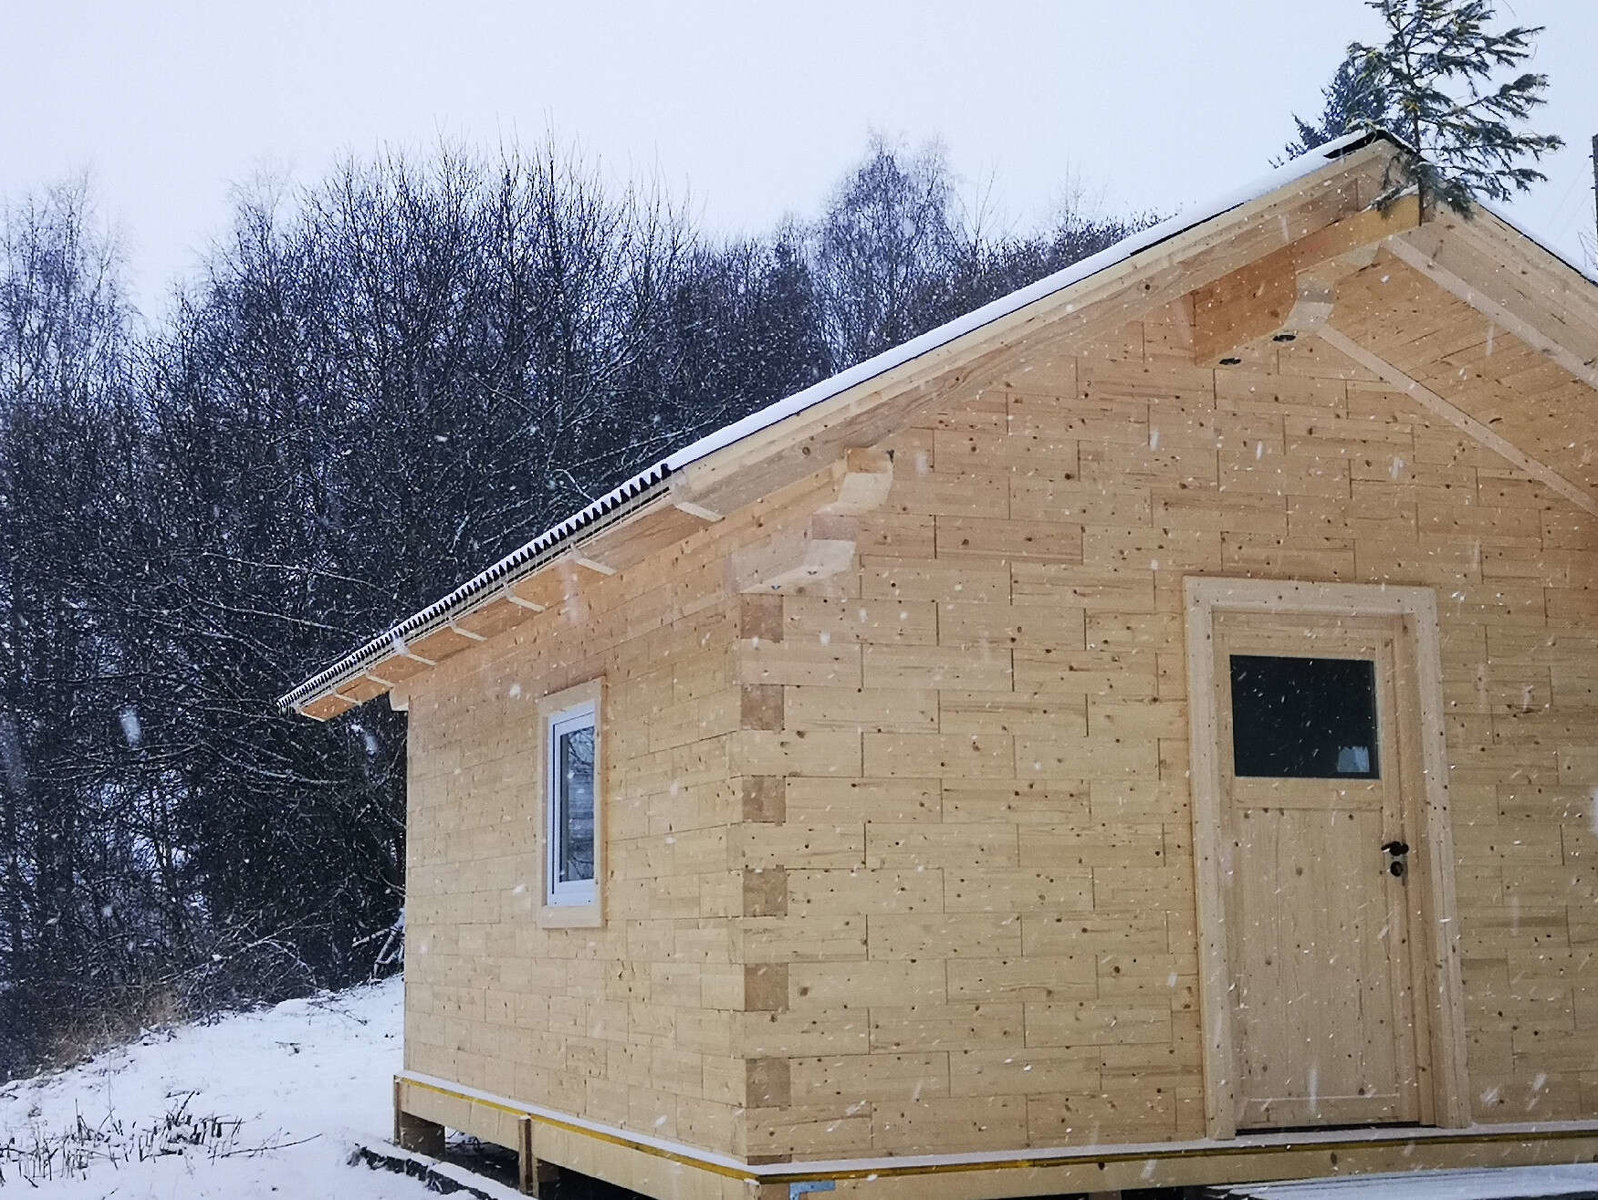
570	893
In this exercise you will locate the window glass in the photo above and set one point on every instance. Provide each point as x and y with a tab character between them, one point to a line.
572	740
1304	718
574	770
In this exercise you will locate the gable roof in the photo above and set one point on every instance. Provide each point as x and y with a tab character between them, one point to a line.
1309	194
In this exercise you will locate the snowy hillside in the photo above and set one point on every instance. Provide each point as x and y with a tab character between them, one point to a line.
254	1104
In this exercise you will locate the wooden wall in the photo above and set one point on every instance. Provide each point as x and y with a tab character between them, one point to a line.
631	1024
983	936
902	861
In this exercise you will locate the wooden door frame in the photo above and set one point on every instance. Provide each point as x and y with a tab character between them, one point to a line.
1434	939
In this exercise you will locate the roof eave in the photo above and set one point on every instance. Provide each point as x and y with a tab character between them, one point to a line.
516	566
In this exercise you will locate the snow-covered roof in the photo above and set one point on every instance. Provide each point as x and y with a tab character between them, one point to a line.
862	372
529	557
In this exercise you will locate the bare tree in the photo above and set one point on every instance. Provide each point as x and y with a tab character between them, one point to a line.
378	383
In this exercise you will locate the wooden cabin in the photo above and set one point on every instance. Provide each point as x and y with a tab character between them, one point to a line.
1142	733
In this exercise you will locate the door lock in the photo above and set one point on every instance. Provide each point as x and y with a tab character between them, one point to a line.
1397	858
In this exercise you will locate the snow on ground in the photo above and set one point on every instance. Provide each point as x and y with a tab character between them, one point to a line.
305	1080
274	1101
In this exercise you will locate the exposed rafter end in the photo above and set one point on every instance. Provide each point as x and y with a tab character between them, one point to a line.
709	515
529	605
327	706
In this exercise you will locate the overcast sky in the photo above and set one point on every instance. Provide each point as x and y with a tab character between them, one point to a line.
751	110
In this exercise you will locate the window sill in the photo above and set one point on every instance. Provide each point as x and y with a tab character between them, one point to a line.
571	916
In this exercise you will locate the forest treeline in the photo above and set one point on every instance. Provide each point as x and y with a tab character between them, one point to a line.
375	386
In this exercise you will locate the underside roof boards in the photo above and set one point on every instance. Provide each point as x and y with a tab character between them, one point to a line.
1256	261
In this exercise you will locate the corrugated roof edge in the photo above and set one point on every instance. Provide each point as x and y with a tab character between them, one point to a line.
502	574
505	571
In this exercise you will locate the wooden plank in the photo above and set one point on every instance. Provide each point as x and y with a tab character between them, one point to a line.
532	1176
1460	261
1457	417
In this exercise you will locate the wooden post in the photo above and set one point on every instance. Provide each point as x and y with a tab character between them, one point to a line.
1595	191
531	1174
414	1133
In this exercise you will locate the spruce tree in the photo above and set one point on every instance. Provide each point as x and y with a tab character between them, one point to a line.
1438	67
1355	97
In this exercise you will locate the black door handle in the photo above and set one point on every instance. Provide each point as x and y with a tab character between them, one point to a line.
1397	849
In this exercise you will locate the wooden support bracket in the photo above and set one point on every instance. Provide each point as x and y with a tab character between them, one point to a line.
686	499
1281	308
1312	306
1288	293
826	545
867	476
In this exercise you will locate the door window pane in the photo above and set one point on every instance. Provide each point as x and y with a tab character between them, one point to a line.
1304	718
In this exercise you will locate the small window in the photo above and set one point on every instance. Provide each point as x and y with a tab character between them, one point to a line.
1304	718
571	740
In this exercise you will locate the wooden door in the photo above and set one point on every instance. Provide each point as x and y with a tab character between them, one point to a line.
1311	733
